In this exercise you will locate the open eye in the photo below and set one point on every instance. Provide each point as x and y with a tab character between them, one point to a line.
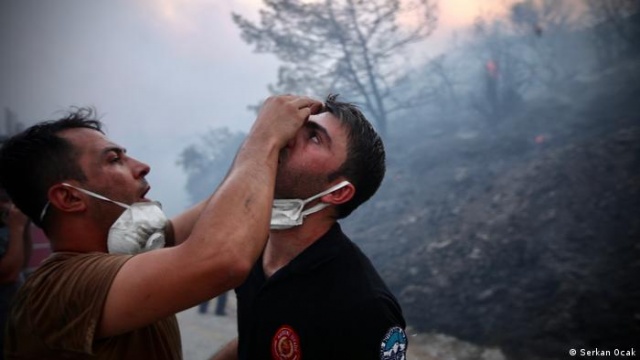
313	136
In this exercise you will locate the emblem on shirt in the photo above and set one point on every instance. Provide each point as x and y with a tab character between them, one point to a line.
394	345
285	344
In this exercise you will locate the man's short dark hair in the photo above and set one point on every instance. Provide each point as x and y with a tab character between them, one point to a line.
37	158
365	163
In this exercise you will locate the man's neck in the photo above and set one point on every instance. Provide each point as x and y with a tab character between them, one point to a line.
284	245
77	236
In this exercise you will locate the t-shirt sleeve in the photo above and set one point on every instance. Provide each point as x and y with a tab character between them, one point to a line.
379	325
69	303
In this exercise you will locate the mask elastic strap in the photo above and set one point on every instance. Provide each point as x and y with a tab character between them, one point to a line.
90	193
321	206
44	210
97	196
328	191
313	209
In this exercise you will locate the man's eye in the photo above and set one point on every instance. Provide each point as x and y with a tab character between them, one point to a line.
115	159
313	136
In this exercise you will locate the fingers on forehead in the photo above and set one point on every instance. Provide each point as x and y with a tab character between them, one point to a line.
304	101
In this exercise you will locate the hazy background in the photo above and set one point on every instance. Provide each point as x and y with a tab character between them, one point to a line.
160	72
508	217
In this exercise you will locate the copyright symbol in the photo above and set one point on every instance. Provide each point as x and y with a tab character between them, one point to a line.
572	352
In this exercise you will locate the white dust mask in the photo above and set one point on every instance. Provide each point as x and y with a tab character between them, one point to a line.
139	228
287	213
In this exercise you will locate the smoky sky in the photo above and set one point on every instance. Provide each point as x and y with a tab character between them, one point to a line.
156	86
159	72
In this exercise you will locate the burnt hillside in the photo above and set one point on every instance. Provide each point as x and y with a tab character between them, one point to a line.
525	236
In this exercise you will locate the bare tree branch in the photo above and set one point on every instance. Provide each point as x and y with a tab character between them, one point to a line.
353	47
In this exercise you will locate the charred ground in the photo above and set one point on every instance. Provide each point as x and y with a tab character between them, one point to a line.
523	234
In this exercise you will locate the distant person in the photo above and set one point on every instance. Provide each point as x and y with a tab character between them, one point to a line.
313	294
221	304
102	294
14	241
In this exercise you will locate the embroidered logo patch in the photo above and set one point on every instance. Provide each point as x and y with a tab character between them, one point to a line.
394	345
285	344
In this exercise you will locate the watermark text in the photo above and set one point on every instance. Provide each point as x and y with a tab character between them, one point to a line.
595	352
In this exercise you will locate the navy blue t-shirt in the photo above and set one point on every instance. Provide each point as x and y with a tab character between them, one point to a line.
327	303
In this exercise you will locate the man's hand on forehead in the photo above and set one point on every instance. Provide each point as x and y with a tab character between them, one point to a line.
281	116
315	106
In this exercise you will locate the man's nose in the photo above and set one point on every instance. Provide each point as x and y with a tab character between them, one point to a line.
140	169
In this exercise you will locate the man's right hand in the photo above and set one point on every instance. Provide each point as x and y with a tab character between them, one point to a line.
281	116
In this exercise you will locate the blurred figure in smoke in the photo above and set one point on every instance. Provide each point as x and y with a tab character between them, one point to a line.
221	304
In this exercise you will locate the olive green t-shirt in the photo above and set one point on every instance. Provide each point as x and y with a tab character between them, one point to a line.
56	313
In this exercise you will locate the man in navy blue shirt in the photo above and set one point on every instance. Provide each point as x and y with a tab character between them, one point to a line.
313	294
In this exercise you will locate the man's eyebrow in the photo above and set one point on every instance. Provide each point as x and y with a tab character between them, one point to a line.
118	150
315	126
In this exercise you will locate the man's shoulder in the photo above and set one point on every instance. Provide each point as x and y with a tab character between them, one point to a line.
70	270
61	262
352	257
358	273
71	257
68	287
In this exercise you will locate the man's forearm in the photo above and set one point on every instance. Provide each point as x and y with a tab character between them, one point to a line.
256	153
180	227
238	213
218	255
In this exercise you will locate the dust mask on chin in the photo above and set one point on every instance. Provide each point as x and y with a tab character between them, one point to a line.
139	228
287	213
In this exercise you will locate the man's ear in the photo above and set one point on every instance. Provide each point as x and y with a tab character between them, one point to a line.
340	196
66	199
